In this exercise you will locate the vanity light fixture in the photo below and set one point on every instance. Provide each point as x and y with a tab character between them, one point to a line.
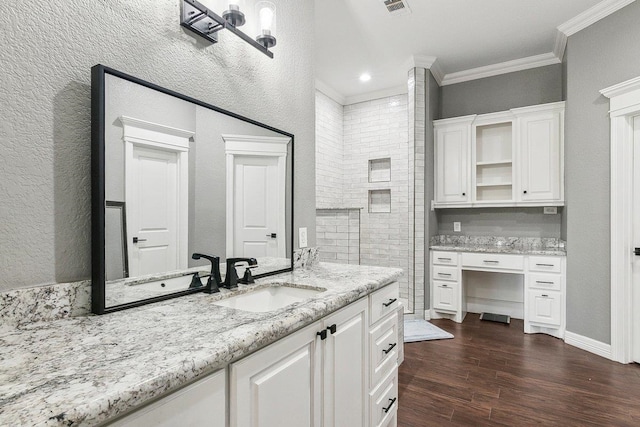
199	19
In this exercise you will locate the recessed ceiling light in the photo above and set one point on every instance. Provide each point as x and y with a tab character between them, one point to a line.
365	77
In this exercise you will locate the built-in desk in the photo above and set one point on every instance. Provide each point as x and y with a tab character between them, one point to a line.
543	273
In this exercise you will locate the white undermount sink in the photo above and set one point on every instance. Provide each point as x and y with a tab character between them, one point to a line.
269	298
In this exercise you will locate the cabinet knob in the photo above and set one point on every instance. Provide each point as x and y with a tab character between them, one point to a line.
332	328
464	194
322	334
525	191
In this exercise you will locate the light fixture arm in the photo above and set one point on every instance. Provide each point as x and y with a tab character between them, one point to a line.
199	19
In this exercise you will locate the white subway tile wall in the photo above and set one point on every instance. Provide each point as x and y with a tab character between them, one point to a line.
329	152
372	130
338	235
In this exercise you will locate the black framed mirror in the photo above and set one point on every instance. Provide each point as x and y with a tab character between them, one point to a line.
173	176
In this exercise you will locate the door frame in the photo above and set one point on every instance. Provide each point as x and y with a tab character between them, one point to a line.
141	133
624	105
251	145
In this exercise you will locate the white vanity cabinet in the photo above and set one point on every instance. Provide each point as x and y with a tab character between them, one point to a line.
202	403
510	158
320	375
384	344
543	278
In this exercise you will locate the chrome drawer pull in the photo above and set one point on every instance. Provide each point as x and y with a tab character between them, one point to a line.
544	265
545	283
390	405
391	346
491	261
391	301
444	274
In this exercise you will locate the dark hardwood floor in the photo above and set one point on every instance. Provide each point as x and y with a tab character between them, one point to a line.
494	374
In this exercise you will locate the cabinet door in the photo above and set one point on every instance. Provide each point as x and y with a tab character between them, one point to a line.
452	163
445	296
544	307
200	404
278	386
540	156
345	367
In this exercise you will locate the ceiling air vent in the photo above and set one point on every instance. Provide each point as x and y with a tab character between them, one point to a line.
397	7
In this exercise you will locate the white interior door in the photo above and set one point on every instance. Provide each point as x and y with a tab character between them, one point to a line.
153	183
636	240
256	206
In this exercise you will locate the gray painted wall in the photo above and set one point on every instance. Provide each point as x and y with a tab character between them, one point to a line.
45	93
500	93
505	222
604	54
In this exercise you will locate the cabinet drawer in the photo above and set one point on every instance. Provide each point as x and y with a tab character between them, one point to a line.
445	273
383	301
544	263
544	307
444	258
497	261
384	400
445	296
384	345
550	282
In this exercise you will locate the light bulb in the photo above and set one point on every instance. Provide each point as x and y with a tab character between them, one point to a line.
266	18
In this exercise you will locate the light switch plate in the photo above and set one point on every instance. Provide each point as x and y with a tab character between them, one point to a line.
302	237
550	210
457	226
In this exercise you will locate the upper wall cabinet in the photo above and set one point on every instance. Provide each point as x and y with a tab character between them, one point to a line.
511	158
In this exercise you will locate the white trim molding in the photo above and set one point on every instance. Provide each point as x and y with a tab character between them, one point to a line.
370	96
142	132
583	20
501	68
588	344
624	104
330	92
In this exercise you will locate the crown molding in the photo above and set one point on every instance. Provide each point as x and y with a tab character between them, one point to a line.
592	15
383	93
330	92
437	73
501	68
582	21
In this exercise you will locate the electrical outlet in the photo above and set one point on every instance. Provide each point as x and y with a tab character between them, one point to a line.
550	210
302	237
457	227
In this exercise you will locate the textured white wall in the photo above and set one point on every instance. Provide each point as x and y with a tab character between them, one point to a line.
47	50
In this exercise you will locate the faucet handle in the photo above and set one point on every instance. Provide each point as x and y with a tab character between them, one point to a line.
247	278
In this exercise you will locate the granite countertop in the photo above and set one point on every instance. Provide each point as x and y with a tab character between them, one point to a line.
499	245
85	370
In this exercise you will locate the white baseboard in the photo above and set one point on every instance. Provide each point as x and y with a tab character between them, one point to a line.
588	344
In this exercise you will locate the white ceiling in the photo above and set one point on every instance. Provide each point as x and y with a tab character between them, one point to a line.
358	36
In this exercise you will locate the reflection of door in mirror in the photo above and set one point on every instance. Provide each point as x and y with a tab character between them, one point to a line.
156	164
256	185
255	207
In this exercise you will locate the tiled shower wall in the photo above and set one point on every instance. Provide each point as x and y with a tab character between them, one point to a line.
329	152
371	130
338	235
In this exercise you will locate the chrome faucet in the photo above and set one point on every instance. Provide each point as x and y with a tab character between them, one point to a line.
231	277
214	281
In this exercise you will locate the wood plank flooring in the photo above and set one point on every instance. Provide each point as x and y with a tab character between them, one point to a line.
493	374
